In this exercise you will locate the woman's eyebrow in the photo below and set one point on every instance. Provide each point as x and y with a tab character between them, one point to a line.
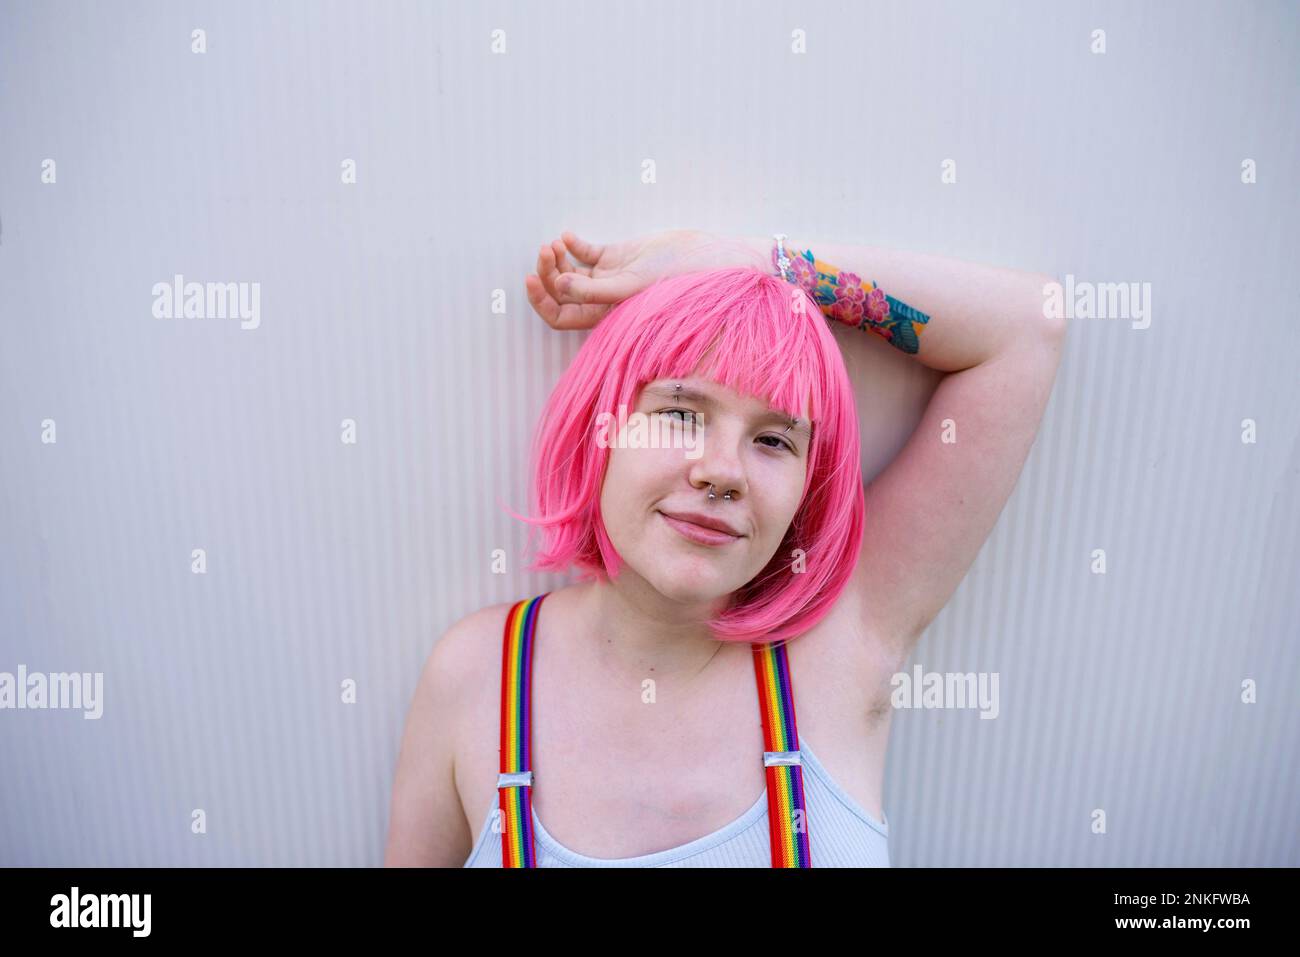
804	426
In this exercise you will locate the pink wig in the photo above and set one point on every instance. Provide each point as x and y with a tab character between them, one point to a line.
760	336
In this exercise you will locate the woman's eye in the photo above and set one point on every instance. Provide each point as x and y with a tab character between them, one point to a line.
669	412
780	443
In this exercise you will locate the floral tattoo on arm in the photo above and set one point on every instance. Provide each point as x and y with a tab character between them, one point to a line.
845	297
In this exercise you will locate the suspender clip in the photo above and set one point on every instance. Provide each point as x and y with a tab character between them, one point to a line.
515	779
782	757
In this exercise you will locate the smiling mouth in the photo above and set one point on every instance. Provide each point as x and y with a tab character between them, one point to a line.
698	533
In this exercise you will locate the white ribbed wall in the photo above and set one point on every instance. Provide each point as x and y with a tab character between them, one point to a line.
329	561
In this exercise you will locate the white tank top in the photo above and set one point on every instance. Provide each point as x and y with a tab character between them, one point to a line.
841	834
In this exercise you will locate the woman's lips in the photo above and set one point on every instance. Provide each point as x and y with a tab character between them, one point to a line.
698	533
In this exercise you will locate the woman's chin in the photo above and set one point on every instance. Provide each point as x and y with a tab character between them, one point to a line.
691	584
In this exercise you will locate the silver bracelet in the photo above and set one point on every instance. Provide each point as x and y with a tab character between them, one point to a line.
782	260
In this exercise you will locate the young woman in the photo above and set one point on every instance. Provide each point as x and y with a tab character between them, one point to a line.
698	464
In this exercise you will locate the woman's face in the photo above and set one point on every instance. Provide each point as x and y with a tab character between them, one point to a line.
673	446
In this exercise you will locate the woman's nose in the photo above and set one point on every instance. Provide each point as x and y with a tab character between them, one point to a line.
720	465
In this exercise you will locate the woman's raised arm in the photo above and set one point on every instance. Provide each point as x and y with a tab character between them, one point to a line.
930	510
948	313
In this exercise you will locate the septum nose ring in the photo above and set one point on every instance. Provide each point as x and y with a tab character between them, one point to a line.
727	496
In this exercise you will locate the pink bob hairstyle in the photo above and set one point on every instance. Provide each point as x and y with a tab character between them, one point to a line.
754	333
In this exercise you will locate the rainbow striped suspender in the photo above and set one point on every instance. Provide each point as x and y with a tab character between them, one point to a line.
787	813
786	810
515	783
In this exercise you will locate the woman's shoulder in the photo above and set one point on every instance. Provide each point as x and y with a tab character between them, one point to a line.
469	641
471	646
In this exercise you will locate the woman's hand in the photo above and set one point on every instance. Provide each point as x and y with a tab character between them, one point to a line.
577	297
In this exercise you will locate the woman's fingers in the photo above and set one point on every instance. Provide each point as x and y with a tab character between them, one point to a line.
573	287
561	256
562	262
565	295
555	269
552	263
548	271
545	255
541	301
560	316
583	251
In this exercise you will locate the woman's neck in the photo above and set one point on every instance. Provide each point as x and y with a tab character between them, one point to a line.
630	632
